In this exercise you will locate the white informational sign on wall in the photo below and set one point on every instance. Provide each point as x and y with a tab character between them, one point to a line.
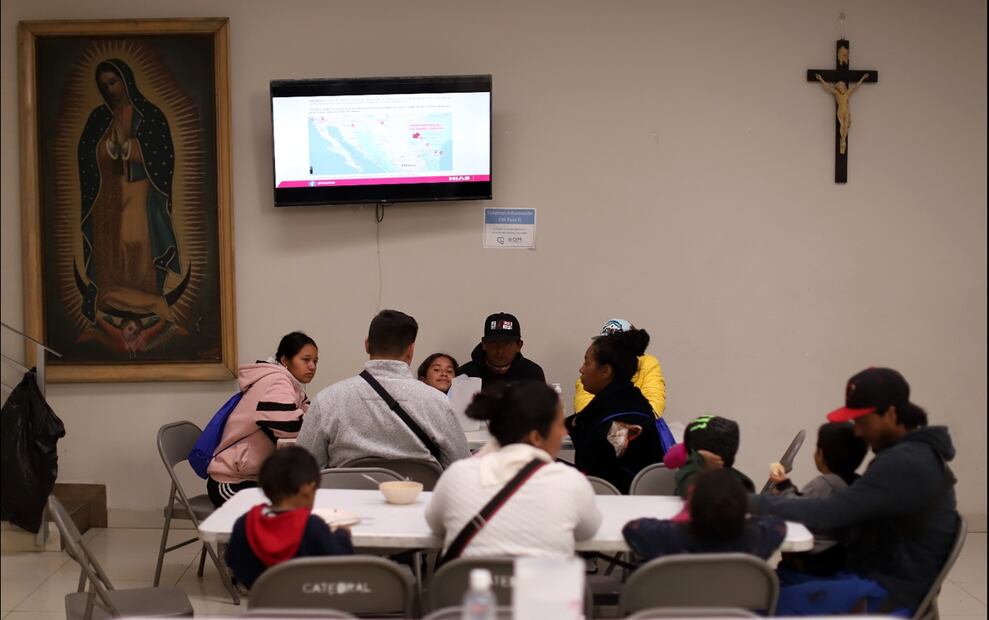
512	229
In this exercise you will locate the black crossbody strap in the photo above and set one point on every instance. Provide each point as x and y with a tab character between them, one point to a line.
394	406
481	518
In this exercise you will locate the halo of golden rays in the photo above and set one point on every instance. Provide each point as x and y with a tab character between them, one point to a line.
189	210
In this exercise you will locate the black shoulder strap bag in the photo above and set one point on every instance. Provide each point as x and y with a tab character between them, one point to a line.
481	518
394	406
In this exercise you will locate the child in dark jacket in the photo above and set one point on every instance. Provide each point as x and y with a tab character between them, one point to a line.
284	529
718	524
839	453
710	442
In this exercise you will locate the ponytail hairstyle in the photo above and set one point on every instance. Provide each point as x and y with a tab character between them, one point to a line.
718	506
291	344
513	410
639	341
621	351
910	416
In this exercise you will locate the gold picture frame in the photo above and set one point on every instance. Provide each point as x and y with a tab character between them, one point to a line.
125	189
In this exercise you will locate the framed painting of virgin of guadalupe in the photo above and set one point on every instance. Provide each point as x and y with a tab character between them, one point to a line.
125	191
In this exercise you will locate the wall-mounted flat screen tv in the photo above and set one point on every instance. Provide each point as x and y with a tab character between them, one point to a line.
399	139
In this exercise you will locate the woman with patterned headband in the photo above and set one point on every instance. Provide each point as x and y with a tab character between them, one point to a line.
648	375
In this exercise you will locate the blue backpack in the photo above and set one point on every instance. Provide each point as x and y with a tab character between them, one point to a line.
666	437
203	451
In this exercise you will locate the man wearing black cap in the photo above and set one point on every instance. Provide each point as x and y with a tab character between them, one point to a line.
499	355
900	516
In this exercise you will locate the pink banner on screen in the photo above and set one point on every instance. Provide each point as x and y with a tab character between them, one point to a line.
458	178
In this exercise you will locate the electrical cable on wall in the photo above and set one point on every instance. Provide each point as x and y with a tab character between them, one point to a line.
379	216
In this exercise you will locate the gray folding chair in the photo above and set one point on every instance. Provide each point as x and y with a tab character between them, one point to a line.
103	600
502	612
787	459
654	479
743	581
175	441
452	580
354	477
602	486
927	610
691	612
357	584
599	586
421	470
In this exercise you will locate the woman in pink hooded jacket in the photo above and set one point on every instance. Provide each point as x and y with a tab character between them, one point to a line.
272	407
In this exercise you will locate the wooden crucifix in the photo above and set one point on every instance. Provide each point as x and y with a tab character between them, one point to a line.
841	83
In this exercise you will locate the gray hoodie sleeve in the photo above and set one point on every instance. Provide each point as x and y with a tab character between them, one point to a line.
312	435
451	439
899	482
823	486
787	489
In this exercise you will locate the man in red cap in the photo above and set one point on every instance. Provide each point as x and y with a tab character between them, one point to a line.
900	516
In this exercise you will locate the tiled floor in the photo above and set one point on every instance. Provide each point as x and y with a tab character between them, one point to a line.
33	585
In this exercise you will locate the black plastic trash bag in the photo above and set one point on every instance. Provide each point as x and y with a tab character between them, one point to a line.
29	430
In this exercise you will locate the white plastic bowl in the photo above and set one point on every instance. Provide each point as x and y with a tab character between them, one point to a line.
400	491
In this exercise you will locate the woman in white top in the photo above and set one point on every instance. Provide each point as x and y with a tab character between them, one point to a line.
550	511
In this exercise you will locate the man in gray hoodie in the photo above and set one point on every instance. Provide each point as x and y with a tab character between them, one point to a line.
352	419
900	516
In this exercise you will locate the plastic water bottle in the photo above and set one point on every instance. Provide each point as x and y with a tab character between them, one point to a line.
479	602
559	392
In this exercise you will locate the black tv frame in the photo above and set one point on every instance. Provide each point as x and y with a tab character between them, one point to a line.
362	194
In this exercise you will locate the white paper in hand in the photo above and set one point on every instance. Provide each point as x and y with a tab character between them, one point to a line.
337	517
461	392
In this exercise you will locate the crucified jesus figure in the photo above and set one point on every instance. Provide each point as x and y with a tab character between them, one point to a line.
841	93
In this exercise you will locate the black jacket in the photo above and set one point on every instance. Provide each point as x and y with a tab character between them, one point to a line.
688	472
901	514
594	455
317	540
29	430
522	369
652	538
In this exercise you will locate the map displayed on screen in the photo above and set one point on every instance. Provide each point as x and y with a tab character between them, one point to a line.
380	143
381	139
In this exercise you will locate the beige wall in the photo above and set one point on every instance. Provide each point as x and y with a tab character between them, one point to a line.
682	171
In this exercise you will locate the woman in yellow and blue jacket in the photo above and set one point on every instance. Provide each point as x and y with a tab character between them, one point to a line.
648	377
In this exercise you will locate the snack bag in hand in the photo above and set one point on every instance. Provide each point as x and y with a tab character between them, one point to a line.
620	434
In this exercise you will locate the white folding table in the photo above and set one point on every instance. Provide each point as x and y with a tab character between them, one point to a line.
387	526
